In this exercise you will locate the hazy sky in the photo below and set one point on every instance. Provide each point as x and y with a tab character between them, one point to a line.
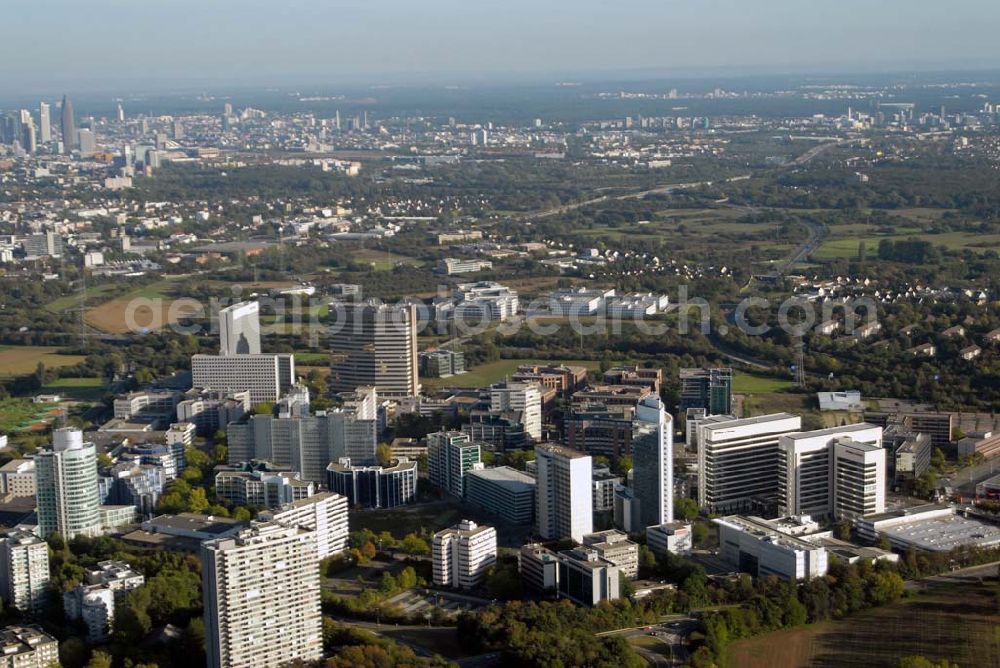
55	43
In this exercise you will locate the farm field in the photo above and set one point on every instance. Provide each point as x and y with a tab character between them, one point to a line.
493	372
22	360
118	317
957	622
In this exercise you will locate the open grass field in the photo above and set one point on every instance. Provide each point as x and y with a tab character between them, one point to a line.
957	622
124	314
22	360
846	247
748	383
494	372
76	389
21	414
383	260
73	301
311	359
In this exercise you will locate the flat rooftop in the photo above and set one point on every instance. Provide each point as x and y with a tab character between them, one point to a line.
942	534
506	476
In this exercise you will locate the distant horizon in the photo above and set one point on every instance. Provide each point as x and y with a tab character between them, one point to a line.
954	73
110	45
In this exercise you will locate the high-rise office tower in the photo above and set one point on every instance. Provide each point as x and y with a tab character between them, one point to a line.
807	468
450	455
120	113
858	479
262	598
738	462
462	554
525	398
67	488
87	141
69	137
239	329
711	389
564	504
44	123
28	137
24	571
653	462
374	345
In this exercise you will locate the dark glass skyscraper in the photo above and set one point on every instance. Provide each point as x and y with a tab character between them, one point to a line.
68	125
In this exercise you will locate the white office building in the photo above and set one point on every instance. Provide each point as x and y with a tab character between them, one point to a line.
462	554
859	479
756	547
24	571
239	329
806	467
615	547
653	462
672	538
17	478
265	377
262	598
66	487
738	460
525	398
563	500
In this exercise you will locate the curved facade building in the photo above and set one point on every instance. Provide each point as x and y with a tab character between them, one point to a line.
66	486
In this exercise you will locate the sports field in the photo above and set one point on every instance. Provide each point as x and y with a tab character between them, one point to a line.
957	622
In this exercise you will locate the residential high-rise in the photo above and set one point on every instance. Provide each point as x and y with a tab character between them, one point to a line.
450	455
68	128
653	462
66	487
806	467
239	329
24	571
564	505
324	514
524	398
711	389
28	647
94	602
44	123
376	345
738	461
262	598
265	377
462	554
